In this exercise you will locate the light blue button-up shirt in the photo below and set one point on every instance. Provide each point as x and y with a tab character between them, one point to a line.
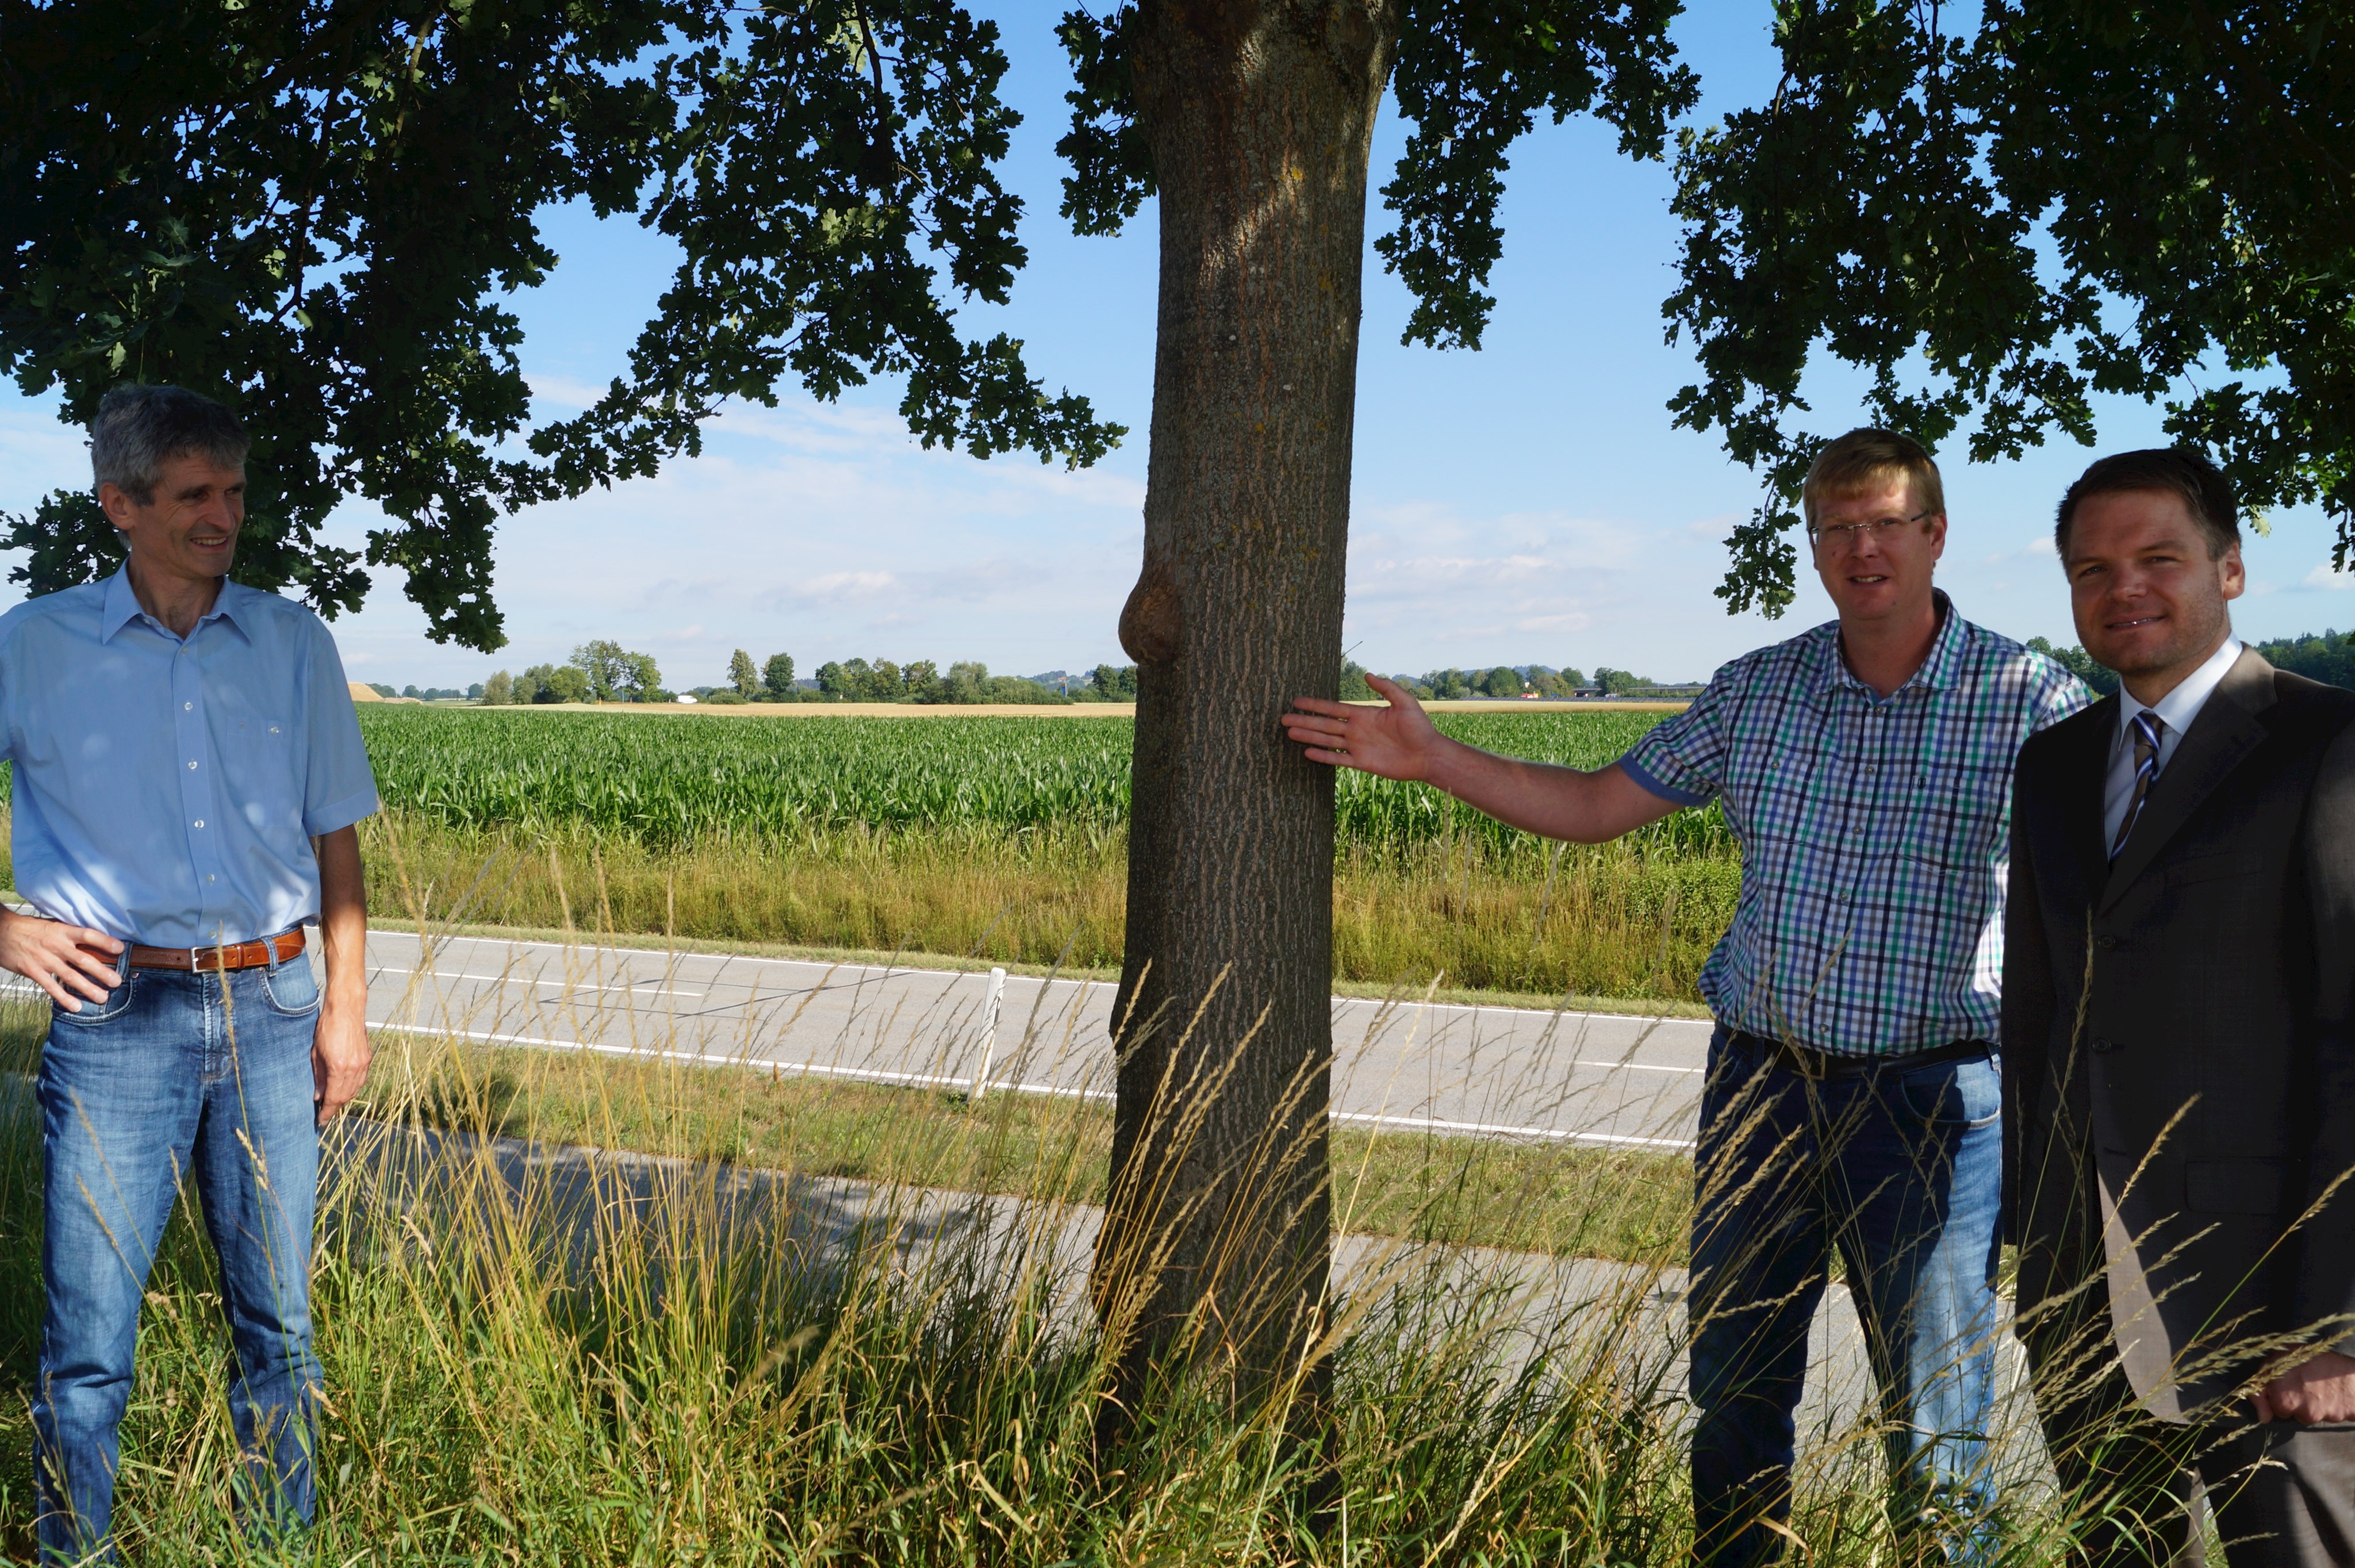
167	790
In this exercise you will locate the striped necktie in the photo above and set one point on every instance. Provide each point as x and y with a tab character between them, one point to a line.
2146	727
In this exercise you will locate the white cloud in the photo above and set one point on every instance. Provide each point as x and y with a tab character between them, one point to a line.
2321	576
836	586
2040	548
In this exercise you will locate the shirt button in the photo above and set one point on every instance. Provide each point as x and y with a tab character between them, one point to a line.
2107	943
185	706
192	767
210	877
198	823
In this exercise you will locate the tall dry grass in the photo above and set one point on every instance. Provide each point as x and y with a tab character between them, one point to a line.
540	1352
537	1352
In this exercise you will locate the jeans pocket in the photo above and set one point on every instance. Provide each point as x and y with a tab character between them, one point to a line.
1954	1093
117	1003
292	987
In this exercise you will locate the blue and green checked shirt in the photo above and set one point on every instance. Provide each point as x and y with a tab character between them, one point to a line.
1873	833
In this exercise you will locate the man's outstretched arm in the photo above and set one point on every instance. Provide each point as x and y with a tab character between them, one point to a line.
1399	741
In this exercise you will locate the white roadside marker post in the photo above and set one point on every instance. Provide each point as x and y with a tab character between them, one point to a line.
988	1030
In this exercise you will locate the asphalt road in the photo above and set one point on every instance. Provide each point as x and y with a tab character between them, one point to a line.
1595	1078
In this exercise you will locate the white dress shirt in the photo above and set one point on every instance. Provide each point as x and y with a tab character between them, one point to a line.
2176	711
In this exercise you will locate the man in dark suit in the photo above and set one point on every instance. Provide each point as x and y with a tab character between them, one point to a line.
2179	1038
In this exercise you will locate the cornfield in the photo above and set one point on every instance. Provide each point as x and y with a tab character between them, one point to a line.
677	781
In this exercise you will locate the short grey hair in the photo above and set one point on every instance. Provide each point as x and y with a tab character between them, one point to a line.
139	429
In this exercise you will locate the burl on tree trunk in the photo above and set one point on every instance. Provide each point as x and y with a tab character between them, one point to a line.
1215	1255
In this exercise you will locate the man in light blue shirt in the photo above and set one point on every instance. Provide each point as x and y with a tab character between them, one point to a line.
188	776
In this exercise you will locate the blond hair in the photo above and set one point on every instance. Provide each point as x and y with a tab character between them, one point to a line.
1862	459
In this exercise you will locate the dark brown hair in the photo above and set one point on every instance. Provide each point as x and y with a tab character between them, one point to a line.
2179	471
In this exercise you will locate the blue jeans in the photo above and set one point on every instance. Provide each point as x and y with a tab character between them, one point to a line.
206	1079
1901	1170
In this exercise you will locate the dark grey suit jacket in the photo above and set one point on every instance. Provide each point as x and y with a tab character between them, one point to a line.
2207	975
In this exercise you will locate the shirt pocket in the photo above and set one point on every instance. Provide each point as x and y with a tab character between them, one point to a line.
260	768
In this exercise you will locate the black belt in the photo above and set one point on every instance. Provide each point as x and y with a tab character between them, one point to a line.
1809	1062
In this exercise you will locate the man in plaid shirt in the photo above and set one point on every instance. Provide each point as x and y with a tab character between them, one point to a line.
1853	1095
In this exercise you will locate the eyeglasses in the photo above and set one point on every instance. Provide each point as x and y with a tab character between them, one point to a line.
1855	533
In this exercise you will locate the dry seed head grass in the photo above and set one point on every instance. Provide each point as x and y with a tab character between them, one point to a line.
590	1349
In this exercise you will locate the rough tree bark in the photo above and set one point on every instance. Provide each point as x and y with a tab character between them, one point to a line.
1260	116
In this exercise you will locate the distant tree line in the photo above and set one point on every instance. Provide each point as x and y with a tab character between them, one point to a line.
421	693
1507	682
599	671
2327	657
748	682
604	671
921	680
2077	662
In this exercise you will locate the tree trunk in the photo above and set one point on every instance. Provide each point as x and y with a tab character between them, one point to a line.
1215	1255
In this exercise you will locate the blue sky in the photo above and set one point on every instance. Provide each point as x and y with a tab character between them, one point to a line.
1528	502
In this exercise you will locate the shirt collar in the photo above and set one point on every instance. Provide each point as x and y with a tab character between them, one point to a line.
2180	707
120	606
1939	669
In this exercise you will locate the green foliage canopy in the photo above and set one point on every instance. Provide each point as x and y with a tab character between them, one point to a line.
742	678
2328	657
1895	202
1615	681
1470	78
2077	662
310	212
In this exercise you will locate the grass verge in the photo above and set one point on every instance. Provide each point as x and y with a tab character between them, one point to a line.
1612	921
1628	1206
513	1375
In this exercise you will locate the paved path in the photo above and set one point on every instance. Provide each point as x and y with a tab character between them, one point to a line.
1595	1078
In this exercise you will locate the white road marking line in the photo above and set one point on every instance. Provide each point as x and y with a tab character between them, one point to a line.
1434	1124
1058	1091
634	987
1635	1066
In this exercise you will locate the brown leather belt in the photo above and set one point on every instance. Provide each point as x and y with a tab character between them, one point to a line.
210	960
